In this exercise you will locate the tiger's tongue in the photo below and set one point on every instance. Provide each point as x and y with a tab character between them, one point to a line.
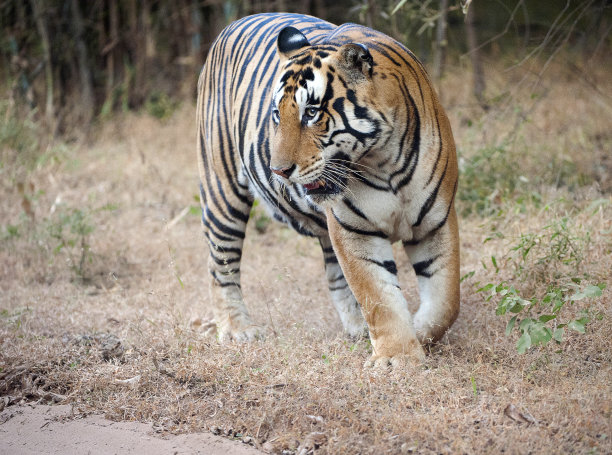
315	185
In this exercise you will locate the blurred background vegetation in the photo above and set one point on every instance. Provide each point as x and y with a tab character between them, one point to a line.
66	63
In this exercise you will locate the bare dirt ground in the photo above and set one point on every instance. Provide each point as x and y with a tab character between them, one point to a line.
116	334
30	430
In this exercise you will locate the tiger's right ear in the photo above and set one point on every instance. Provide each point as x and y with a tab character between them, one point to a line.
290	41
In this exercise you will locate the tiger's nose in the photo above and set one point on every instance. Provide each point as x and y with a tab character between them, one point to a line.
283	171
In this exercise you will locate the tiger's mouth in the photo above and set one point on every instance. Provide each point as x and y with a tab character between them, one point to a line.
322	187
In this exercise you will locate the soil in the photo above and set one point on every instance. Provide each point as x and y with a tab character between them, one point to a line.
40	429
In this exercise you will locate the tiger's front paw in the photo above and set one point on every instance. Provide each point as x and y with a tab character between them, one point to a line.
397	361
243	334
395	352
226	333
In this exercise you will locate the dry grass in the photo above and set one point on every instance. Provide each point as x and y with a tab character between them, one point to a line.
303	389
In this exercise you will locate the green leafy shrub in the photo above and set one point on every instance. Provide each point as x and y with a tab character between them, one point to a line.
547	263
558	248
540	320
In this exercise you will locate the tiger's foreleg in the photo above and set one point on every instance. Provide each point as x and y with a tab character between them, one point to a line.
369	268
342	297
224	218
436	263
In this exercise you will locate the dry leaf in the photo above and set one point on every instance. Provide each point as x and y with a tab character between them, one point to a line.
131	381
313	441
520	417
315	419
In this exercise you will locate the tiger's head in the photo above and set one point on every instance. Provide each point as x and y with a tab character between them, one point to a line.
326	114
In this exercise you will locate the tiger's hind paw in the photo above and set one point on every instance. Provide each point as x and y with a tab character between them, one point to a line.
357	331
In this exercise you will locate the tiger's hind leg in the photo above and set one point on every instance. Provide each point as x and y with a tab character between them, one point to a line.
435	260
342	297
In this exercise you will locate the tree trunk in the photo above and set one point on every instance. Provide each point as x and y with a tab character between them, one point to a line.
38	8
319	8
371	13
146	51
133	73
441	43
87	98
113	40
478	72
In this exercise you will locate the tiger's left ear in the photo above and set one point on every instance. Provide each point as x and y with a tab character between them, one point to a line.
356	60
290	41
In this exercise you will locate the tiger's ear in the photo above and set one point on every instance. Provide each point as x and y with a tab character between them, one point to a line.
290	41
356	60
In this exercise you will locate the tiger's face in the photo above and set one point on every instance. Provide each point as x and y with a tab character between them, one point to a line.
324	116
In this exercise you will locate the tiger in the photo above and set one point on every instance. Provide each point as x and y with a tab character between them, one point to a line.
339	133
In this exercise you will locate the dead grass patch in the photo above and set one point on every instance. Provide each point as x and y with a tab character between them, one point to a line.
302	389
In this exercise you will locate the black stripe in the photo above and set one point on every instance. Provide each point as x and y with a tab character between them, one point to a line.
407	63
445	219
222	227
336	278
209	230
222	283
430	200
339	287
227	250
433	171
330	260
415	141
363	179
354	209
234	212
420	268
224	261
359	231
237	214
389	266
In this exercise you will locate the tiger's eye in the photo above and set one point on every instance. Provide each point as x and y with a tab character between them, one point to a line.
311	112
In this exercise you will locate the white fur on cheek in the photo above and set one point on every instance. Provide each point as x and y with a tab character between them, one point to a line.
278	94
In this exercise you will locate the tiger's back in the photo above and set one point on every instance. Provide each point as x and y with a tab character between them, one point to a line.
338	131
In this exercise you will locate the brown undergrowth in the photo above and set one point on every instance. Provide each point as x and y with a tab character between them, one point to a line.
117	338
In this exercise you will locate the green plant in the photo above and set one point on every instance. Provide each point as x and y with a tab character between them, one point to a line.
542	319
160	105
71	228
488	179
557	248
474	387
10	231
262	220
19	143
